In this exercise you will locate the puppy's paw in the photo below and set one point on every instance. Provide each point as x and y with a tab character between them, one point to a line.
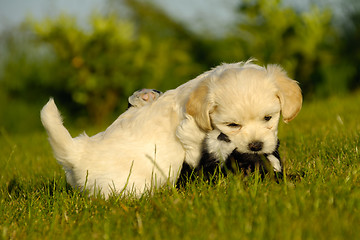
143	96
275	163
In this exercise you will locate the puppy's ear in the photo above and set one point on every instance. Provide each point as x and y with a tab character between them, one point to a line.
289	93
198	106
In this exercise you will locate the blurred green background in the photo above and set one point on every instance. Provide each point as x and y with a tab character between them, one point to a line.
91	69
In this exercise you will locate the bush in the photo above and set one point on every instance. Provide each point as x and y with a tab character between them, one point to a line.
303	43
99	66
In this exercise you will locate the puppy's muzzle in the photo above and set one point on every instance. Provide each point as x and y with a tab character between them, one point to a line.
256	146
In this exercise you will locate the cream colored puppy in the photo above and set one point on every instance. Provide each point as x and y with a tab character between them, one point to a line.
244	103
146	147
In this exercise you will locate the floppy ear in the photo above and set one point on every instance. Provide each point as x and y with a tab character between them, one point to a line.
199	107
289	93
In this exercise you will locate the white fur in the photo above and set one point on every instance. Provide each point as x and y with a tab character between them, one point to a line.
274	162
191	138
143	96
145	147
221	150
244	95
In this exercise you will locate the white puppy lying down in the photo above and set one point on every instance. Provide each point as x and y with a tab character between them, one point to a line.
145	147
218	150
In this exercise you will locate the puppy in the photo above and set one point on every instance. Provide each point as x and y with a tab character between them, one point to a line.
242	109
241	100
218	152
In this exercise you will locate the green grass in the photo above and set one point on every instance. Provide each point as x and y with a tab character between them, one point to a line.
321	145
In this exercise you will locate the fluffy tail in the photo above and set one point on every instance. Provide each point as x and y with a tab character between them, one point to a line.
60	139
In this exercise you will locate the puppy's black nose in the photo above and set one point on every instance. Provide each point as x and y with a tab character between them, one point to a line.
255	146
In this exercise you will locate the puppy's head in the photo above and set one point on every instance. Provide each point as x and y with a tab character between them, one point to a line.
245	102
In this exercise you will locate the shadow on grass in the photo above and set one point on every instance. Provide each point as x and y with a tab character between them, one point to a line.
16	188
190	176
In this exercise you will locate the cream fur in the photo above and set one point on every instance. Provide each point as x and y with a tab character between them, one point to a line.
145	147
242	94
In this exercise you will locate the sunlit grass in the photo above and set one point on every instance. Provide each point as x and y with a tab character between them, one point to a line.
320	147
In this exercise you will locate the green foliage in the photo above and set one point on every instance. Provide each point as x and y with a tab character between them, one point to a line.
303	43
100	66
110	60
95	68
323	202
351	50
89	61
306	44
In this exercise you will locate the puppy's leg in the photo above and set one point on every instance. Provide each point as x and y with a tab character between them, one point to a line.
215	150
275	163
275	160
191	138
142	97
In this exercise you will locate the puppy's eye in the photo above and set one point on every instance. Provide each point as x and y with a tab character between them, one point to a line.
267	118
233	125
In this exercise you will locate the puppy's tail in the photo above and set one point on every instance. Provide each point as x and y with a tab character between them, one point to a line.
60	139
